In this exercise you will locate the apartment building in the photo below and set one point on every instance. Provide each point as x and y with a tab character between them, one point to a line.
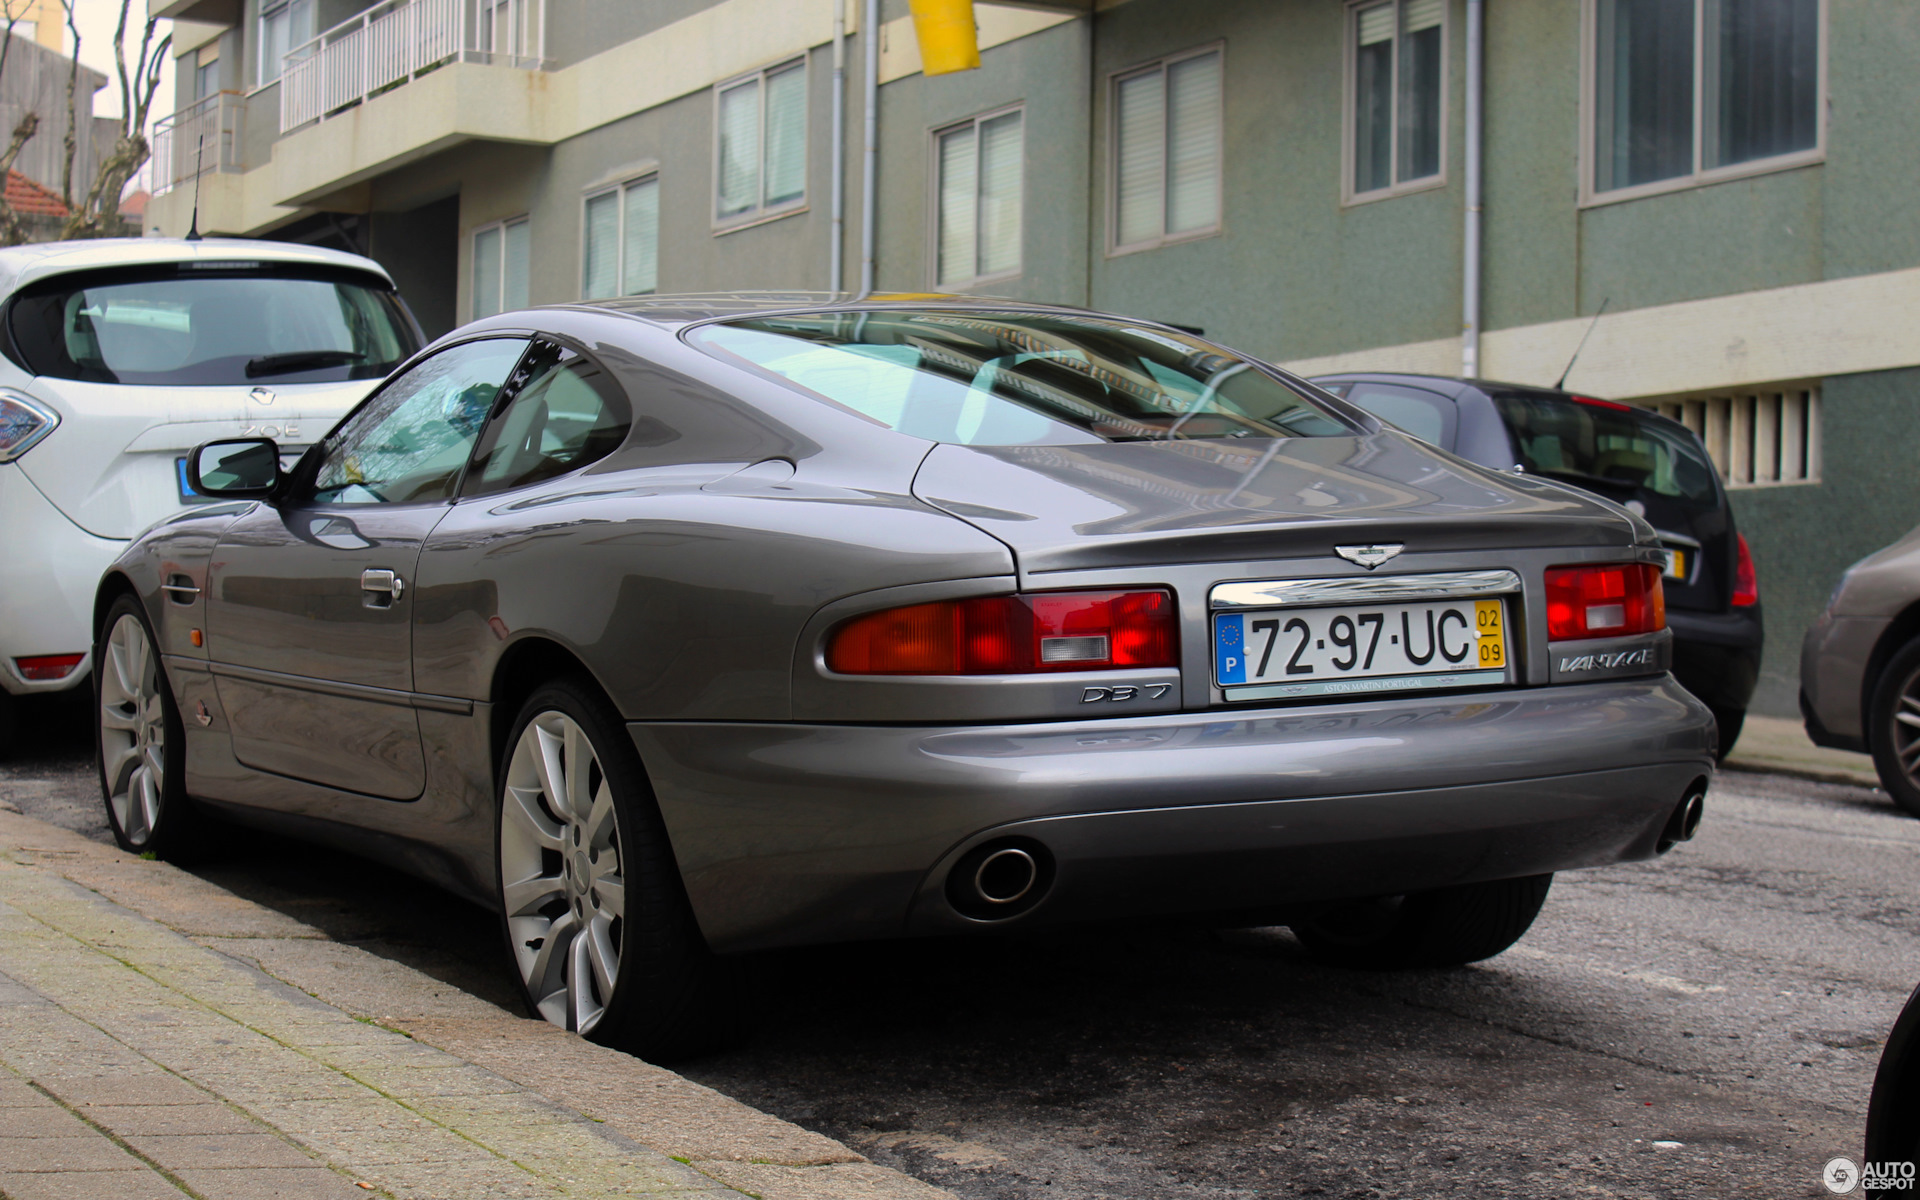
1730	179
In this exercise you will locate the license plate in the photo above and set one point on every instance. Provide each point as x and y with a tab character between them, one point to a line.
1277	653
1677	565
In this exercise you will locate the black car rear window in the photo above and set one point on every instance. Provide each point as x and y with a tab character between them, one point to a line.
1606	447
229	325
991	378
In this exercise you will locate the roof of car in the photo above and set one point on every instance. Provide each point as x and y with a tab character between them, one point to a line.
689	308
20	265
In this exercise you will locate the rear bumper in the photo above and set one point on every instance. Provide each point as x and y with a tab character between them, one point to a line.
1716	656
793	834
46	597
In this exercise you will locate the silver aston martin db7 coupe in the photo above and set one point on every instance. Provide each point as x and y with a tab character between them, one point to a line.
676	628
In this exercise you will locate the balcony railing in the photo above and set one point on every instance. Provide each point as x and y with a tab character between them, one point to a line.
206	136
399	40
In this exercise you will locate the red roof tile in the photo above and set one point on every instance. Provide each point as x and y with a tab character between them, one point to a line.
135	206
29	199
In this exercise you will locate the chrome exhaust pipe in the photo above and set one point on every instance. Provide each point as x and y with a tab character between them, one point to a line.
1685	821
1000	879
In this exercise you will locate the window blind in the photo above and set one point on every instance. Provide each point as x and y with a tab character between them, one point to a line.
1002	155
786	145
1373	99
1193	144
640	239
1140	183
517	264
599	270
739	152
959	181
1762	59
486	272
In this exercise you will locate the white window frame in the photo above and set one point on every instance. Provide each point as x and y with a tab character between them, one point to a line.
1115	248
761	211
473	253
1698	177
933	192
618	189
1349	113
267	8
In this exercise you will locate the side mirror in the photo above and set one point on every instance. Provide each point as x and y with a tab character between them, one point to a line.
235	468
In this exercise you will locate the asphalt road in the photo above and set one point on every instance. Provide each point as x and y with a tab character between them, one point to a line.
1703	1025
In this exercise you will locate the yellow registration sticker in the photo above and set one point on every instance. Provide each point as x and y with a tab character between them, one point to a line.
1676	564
1490	628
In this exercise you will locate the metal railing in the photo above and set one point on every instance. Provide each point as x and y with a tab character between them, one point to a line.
202	138
399	40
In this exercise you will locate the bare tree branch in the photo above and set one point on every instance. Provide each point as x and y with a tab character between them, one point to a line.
71	144
98	215
12	231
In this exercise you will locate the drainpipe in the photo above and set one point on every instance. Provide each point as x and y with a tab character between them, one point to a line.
837	231
1470	276
870	162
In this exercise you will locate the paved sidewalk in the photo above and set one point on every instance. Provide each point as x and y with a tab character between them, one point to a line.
160	1037
1781	745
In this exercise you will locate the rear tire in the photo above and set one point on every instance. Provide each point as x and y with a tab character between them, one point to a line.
595	917
1893	727
139	743
1729	722
1443	928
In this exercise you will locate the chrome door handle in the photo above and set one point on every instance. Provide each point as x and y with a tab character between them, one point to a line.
381	587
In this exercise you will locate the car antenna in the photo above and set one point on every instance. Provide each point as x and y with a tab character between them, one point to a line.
1558	384
199	160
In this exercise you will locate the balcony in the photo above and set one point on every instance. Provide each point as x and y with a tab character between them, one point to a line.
398	41
206	137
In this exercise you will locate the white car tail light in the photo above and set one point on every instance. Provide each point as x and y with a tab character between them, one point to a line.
23	422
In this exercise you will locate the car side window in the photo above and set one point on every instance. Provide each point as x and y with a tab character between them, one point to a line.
1426	415
565	412
408	446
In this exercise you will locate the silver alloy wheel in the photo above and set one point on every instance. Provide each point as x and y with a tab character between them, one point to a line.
560	875
1906	728
133	729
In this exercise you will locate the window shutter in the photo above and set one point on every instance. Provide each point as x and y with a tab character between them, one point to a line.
739	151
1140	188
786	148
513	291
1376	24
598	277
486	273
1002	149
641	269
1420	14
959	182
1193	152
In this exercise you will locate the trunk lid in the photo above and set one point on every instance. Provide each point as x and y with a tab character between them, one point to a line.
112	463
1140	503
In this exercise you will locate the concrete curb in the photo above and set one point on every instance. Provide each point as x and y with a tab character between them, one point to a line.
134	996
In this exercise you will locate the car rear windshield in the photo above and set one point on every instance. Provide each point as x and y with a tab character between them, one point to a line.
1609	449
986	378
198	327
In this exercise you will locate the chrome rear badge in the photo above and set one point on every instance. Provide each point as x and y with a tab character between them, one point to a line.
1371	555
262	395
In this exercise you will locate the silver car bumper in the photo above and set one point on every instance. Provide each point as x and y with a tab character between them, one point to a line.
793	834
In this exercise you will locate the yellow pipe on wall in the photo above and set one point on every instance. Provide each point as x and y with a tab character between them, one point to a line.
948	40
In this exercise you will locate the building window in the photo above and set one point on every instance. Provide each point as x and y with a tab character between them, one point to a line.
1758	438
1396	95
978	222
620	254
284	25
760	144
1685	91
1166	151
500	258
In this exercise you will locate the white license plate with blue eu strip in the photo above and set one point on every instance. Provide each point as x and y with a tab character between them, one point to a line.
1280	653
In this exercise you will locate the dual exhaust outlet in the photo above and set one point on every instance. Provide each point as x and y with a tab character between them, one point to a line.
1685	821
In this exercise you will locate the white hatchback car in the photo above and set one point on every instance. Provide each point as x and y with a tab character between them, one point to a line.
117	357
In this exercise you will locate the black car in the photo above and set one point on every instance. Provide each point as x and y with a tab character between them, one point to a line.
1632	456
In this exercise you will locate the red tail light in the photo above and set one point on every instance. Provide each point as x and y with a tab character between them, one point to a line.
43	667
1011	635
1606	601
1746	585
1596	402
